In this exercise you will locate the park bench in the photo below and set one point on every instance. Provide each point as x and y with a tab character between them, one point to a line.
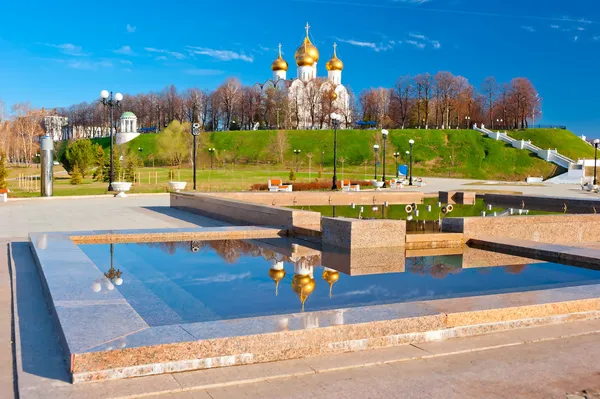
276	185
348	186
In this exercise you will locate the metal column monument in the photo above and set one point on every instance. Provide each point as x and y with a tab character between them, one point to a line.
46	160
195	133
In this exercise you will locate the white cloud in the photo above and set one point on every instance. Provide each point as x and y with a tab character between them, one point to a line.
222	278
130	28
596	38
417	36
203	72
174	54
67	48
89	65
416	44
125	50
377	47
412	1
580	28
223	55
528	28
161	58
576	38
126	62
555	26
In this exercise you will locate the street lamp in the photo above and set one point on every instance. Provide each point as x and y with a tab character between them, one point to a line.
297	152
500	122
212	154
195	134
384	134
411	142
335	118
376	149
467	120
396	155
595	158
111	102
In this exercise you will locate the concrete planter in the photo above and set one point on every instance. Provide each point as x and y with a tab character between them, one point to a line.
121	188
377	184
177	186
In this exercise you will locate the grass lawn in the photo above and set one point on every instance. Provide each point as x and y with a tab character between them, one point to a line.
564	141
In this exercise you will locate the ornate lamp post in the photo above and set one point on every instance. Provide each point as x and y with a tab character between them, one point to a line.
595	158
384	133
297	152
376	149
411	142
111	102
396	155
211	151
467	121
195	133
335	118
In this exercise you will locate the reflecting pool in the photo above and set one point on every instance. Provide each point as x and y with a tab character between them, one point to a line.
183	282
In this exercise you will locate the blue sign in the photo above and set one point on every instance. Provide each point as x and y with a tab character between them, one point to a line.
403	170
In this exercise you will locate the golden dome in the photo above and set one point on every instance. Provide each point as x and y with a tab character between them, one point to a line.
306	49
303	285
334	64
279	64
332	277
277	275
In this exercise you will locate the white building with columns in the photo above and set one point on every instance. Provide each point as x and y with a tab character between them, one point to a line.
311	98
127	128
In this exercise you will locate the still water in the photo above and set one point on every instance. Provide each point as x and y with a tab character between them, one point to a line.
183	282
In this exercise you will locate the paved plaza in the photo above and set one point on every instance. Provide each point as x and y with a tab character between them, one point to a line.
541	362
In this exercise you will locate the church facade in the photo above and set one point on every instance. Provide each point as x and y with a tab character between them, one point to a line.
311	98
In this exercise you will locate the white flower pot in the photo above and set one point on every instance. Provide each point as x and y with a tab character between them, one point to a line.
377	184
121	188
177	186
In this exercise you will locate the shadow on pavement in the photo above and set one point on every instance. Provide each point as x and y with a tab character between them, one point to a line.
185	216
37	338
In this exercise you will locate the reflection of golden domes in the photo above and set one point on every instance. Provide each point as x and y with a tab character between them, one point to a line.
277	275
279	64
306	49
334	95
303	285
332	277
334	64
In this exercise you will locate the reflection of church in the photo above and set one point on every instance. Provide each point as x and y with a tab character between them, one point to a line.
311	99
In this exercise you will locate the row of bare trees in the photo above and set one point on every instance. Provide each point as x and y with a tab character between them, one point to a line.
19	132
447	101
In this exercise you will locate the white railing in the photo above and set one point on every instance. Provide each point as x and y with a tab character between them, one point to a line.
547	155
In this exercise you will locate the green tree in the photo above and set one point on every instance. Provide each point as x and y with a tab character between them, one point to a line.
292	175
3	171
76	175
173	142
81	153
116	166
131	165
98	173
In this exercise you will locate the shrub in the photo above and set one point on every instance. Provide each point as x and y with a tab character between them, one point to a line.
81	153
76	175
320	174
116	166
292	175
3	172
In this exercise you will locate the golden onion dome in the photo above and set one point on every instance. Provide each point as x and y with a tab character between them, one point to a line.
306	49
279	64
276	275
305	60
303	285
334	64
332	277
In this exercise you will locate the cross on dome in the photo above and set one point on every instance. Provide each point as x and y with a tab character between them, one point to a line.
307	28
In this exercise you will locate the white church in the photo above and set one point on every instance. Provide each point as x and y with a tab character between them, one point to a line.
308	94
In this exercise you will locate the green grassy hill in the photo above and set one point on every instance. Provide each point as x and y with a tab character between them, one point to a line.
455	153
564	141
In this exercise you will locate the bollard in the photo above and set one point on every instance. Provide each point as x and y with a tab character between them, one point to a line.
46	160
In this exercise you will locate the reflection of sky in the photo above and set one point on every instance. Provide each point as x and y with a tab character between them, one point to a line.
168	288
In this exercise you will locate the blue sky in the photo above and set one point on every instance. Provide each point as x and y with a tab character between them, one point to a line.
59	53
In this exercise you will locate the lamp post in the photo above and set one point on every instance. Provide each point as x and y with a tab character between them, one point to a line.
595	158
335	118
376	149
467	120
211	151
500	122
411	142
396	155
111	102
195	134
384	134
297	152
